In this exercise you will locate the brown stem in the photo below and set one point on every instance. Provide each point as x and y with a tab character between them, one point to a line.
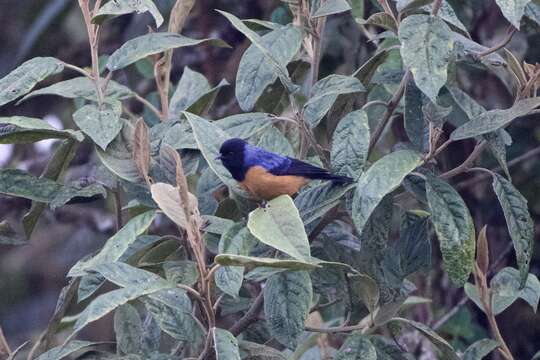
510	32
249	317
436	7
118	209
391	107
93	37
466	165
4	346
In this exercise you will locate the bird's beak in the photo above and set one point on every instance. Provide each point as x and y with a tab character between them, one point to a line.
217	157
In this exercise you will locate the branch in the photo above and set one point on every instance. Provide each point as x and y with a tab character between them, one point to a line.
436	7
509	33
4	346
249	317
391	107
466	165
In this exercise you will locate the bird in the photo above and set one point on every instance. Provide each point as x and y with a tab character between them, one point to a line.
266	175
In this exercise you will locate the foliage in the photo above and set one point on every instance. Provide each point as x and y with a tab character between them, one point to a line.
297	267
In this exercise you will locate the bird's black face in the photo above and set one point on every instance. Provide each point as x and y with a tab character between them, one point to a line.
232	157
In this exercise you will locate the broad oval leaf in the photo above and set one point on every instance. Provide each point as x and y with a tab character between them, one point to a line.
117	245
494	119
380	179
350	144
447	351
519	222
357	347
426	47
24	130
279	225
62	351
454	227
82	87
23	79
235	241
480	349
245	126
513	10
150	44
256	73
76	189
256	40
102	125
226	345
128	328
287	298
123	7
254	351
314	202
325	92
22	184
331	7
192	86
168	199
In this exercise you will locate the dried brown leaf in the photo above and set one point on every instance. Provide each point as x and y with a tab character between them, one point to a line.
482	251
141	149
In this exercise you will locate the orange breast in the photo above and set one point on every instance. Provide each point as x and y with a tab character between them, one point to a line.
265	186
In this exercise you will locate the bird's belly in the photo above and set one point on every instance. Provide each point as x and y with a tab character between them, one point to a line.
263	185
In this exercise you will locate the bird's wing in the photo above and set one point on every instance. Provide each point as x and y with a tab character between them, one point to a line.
255	156
297	167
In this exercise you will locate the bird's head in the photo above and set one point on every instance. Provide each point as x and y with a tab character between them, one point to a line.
231	155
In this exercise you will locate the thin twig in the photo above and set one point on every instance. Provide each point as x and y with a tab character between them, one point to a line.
118	209
249	317
436	7
4	346
148	104
466	165
391	107
79	70
510	32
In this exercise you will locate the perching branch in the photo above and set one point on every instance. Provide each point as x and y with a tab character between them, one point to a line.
249	317
509	33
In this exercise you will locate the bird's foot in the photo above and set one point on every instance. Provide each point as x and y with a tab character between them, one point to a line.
263	204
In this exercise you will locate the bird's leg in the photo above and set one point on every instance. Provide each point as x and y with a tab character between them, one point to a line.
263	204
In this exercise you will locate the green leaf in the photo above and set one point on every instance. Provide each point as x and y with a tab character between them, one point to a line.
21	80
415	124
447	13
380	179
480	349
256	72
426	47
314	202
325	92
117	245
181	272
125	275
447	351
331	7
279	68
21	184
203	104
25	130
513	10
123	7
245	126
519	222
405	5
209	138
532	11
82	87
494	119
287	298
225	344
506	288
154	43
192	86
454	227
381	19
469	50
497	142
59	352
239	260
367	70
172	311
366	289
88	285
356	347
76	190
236	241
279	225
128	328
54	170
273	140
118	158
253	351
350	144
104	304
102	125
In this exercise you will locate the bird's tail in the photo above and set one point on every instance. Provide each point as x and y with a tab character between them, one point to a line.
335	179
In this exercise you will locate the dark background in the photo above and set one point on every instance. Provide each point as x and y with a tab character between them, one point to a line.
31	276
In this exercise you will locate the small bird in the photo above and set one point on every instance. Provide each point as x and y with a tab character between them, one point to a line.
266	175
